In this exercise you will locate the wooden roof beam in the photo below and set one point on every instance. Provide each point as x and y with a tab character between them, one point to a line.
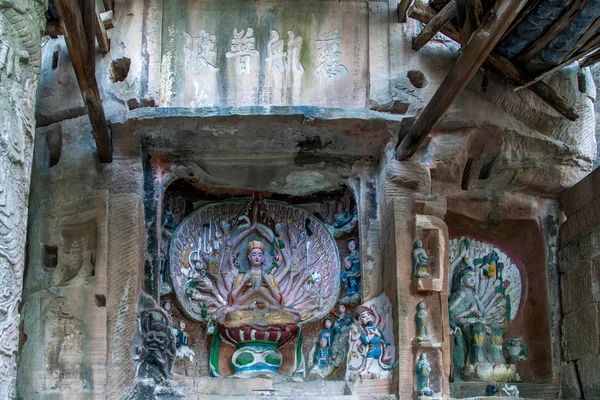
552	32
482	42
77	37
504	66
435	25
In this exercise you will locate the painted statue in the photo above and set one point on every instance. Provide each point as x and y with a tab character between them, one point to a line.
323	354
419	258
371	352
344	221
351	275
327	332
423	371
421	322
484	297
516	352
257	270
342	319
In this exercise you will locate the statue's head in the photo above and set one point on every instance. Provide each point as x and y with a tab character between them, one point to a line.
256	253
323	342
327	323
166	305
421	305
423	357
418	244
341	308
182	325
469	279
352	245
364	315
515	341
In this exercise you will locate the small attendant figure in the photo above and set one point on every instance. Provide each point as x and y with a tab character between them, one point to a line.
419	258
421	321
516	352
342	319
323	354
350	277
423	372
183	337
327	333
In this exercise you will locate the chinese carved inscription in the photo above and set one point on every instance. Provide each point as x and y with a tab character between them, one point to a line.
242	49
328	46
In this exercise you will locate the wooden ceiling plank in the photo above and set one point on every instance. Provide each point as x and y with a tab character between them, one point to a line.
553	31
482	42
504	66
437	22
77	42
585	39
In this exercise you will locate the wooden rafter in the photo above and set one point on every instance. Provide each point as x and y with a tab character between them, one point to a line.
482	42
504	66
435	25
77	36
101	35
552	32
403	7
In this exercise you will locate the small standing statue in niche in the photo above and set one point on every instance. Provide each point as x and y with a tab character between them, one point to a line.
419	257
350	277
323	354
158	345
327	332
342	319
516	352
423	372
421	321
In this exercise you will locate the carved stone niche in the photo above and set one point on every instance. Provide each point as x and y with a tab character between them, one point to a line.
430	231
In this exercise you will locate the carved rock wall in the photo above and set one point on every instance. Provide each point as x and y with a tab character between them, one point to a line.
579	262
21	24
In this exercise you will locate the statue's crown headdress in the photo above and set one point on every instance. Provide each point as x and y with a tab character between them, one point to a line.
255	244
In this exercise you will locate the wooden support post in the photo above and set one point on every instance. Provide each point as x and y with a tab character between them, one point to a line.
496	21
504	66
79	50
403	7
435	25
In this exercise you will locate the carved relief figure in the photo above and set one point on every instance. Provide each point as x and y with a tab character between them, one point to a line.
342	319
419	256
370	353
484	298
158	345
351	274
423	371
421	322
517	351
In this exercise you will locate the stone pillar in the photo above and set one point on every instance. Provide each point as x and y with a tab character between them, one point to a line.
21	28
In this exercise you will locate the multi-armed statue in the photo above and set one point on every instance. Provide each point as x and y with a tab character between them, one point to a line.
258	270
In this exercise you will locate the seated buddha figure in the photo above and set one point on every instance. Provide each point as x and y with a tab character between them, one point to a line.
255	283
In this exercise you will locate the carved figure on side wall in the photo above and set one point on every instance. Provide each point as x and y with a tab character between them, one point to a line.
370	353
423	370
419	257
342	319
517	351
323	353
327	332
484	297
158	345
351	275
421	322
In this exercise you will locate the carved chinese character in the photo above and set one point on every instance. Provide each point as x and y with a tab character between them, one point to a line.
242	49
328	46
294	48
275	53
200	52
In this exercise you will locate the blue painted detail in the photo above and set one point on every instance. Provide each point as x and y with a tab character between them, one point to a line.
558	49
532	27
265	358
